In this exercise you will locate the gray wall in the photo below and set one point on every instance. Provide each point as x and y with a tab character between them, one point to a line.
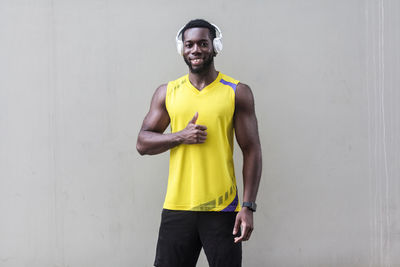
76	79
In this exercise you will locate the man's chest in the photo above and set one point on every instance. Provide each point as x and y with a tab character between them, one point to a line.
215	106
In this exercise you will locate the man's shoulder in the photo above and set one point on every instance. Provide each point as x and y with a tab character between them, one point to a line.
229	78
176	84
178	80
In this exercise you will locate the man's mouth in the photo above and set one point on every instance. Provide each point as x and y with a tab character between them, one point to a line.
196	61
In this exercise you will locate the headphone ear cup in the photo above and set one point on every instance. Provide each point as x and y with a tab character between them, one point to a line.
179	47
217	43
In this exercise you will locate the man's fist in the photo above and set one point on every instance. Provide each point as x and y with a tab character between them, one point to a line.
194	133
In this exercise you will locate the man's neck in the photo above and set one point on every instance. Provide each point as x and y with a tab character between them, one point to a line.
201	80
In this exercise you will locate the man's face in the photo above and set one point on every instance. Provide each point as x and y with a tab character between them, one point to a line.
198	51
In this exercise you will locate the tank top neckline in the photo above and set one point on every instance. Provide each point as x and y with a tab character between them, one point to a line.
205	89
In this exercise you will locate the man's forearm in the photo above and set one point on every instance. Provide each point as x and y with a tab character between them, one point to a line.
252	166
152	143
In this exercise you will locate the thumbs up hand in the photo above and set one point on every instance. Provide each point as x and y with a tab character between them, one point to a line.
194	133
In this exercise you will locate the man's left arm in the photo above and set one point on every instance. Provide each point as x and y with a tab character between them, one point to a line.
246	131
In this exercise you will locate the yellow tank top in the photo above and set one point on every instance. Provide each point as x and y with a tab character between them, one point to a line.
202	176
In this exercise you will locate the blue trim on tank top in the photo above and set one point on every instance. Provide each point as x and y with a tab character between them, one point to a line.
232	206
229	84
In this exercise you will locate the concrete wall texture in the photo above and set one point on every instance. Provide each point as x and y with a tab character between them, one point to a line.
76	79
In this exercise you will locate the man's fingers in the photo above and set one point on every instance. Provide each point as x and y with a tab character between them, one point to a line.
249	234
194	119
201	133
199	137
201	127
239	239
246	233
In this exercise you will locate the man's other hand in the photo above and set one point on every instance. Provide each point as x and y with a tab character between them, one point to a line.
244	220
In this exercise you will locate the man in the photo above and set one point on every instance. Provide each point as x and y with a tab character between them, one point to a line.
205	108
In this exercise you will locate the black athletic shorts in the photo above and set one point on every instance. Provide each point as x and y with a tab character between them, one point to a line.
183	234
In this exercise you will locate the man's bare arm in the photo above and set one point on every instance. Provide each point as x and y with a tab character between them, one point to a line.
152	140
246	131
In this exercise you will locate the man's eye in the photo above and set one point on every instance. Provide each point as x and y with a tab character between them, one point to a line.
188	45
204	44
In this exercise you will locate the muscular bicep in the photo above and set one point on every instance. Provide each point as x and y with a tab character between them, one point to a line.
245	120
157	119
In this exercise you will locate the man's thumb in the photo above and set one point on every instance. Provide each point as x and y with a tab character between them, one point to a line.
194	119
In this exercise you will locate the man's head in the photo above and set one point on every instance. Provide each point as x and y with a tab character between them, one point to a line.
198	48
199	23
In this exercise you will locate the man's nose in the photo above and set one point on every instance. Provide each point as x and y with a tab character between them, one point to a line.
196	49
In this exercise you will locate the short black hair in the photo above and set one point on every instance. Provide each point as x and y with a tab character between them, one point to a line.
200	23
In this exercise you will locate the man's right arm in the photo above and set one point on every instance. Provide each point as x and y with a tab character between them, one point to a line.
152	140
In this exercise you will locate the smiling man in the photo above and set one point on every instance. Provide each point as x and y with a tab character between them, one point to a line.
205	109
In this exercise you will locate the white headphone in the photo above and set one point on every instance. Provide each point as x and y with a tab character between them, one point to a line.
217	42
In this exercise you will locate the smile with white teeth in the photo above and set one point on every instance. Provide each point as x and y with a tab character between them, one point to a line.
197	61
